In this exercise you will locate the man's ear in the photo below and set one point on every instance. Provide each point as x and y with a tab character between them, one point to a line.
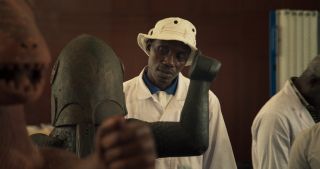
148	45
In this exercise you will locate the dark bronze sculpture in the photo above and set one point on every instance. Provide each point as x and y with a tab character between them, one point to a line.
24	59
87	87
86	80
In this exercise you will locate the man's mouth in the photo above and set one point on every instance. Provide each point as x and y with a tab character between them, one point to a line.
165	71
164	74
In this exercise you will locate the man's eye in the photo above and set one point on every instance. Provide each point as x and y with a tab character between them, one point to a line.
163	50
182	56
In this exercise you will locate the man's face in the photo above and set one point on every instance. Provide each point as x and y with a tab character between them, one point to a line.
166	60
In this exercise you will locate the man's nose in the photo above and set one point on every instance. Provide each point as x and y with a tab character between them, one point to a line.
169	59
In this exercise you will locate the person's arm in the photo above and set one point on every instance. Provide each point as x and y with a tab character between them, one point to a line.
298	159
124	145
219	154
272	143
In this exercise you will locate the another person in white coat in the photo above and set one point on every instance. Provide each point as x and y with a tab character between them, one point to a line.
159	92
294	108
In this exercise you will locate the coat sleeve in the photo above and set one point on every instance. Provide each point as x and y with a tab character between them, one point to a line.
219	154
271	142
298	158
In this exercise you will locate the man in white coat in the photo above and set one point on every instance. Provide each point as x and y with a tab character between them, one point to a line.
294	108
159	92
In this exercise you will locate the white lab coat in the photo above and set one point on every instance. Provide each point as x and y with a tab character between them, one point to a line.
305	151
275	128
144	106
